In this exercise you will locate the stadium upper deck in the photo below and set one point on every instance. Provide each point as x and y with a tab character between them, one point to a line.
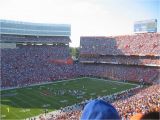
14	31
139	49
140	44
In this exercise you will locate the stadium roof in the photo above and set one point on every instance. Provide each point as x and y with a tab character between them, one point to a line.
36	29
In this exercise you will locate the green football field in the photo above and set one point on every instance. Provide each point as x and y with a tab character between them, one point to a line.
31	101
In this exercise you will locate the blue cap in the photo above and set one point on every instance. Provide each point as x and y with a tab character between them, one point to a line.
98	110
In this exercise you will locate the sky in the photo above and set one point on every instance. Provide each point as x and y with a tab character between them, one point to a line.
87	17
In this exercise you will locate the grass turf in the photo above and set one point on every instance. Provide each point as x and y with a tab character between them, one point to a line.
31	101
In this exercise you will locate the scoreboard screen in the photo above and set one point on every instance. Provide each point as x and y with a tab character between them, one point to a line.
145	26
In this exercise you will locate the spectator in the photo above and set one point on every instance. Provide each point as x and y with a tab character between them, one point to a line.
98	110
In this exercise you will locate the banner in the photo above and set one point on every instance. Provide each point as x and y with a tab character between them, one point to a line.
69	60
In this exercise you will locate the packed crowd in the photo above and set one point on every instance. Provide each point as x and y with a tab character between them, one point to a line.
127	103
144	101
29	64
127	49
26	65
121	72
127	57
140	44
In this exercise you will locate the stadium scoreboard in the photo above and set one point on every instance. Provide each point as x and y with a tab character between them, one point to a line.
145	26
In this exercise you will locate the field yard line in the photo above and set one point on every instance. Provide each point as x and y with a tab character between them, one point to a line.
24	103
48	100
31	98
31	115
35	100
112	81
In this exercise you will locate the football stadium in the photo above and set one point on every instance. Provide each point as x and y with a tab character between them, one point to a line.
80	60
41	81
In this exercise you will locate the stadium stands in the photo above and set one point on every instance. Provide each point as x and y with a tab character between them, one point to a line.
31	64
128	45
36	57
127	57
121	72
